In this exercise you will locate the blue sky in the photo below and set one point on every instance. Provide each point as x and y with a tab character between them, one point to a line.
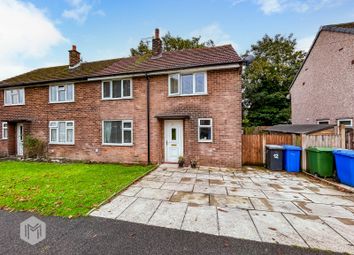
36	33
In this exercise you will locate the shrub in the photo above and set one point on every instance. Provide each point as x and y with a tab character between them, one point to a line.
34	147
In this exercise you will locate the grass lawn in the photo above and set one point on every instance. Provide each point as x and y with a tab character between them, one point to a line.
62	189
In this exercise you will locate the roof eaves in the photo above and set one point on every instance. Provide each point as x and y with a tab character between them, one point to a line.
165	70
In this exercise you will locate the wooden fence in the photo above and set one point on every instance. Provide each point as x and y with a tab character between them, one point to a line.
253	146
334	141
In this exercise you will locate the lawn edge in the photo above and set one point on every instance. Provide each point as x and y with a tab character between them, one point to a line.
121	190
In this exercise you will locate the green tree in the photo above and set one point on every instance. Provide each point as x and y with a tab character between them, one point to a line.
171	43
266	81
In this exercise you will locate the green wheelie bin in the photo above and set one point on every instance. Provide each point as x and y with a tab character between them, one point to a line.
320	161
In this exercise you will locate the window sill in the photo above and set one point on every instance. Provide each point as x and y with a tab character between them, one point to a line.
13	105
62	102
4	139
189	95
116	99
117	145
202	141
62	144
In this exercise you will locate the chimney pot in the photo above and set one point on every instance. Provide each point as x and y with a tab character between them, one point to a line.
157	33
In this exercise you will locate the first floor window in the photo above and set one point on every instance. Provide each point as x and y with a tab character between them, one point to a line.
118	132
117	89
14	96
187	84
205	130
61	132
61	93
4	130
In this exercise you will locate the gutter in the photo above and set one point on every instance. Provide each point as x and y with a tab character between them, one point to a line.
148	116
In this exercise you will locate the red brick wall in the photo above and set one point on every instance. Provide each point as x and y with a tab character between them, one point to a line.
223	104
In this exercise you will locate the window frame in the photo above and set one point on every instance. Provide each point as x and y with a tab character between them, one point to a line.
15	89
345	119
3	128
123	129
194	93
205	126
122	89
324	120
57	128
66	94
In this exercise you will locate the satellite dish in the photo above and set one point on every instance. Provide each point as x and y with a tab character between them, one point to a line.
248	59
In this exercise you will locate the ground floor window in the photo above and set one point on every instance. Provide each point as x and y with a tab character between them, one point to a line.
323	122
61	132
348	123
205	130
118	132
5	131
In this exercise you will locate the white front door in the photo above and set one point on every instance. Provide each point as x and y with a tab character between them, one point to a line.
19	138
173	140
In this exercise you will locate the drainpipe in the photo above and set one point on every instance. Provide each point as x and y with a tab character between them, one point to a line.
148	116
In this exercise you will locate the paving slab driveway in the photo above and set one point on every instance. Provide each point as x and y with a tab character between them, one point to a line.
251	203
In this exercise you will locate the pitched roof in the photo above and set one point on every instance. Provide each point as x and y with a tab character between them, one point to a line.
347	28
299	129
139	64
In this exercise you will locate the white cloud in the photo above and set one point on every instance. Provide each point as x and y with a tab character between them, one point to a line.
270	6
26	33
215	33
305	43
79	11
301	6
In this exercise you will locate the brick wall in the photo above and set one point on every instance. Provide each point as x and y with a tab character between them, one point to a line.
223	104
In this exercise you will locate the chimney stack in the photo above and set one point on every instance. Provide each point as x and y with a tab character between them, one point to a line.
157	44
74	57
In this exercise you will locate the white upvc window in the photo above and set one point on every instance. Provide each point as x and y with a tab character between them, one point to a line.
117	89
5	131
322	122
186	84
348	123
14	96
117	132
61	132
205	130
61	93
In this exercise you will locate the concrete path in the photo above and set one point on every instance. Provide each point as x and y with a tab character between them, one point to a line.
254	204
93	235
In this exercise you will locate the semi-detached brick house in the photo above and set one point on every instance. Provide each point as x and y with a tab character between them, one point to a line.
132	110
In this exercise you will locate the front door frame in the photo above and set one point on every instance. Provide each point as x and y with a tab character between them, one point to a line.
178	124
19	139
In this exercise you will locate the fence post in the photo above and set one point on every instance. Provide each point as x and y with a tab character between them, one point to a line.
303	145
342	136
263	137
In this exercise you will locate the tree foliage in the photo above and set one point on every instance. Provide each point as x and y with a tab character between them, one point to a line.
266	82
171	43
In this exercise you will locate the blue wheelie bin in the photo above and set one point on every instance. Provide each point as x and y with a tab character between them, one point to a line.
292	158
345	166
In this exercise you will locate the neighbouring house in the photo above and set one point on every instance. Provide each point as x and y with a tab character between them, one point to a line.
131	110
322	91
